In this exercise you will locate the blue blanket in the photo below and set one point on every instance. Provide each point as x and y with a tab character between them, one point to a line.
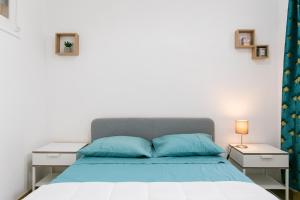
164	169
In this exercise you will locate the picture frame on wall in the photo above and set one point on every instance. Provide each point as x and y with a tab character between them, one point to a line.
260	52
8	17
244	38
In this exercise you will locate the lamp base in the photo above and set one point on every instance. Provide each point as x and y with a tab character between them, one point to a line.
241	146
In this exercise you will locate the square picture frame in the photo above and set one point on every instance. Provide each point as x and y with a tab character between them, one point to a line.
245	38
61	49
260	52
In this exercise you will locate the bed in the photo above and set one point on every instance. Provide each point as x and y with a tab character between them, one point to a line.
161	178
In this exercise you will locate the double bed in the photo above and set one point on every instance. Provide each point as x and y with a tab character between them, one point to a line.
155	178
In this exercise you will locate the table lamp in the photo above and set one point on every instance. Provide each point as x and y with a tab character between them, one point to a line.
241	127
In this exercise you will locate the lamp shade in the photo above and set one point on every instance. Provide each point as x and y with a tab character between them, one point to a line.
241	127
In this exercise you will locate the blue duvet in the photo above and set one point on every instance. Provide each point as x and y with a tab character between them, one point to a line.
164	169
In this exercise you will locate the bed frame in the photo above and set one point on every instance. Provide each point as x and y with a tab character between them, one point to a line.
150	128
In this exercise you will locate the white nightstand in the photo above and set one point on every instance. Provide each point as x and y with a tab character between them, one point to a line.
53	155
262	156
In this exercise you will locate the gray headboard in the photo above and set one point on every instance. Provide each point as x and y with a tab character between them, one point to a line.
150	127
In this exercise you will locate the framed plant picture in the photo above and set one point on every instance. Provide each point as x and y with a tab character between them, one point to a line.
67	44
8	17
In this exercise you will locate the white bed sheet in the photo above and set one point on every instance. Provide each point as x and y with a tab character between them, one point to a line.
229	190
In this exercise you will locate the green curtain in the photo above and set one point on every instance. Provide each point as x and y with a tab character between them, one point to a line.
290	131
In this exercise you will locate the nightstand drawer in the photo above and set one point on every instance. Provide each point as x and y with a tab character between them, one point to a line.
279	161
53	159
260	160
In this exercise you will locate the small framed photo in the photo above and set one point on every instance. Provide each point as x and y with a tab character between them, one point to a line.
260	52
244	38
67	44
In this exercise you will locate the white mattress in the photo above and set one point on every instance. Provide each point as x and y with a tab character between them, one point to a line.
232	190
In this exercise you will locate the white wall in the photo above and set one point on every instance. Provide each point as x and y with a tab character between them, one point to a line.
22	99
165	58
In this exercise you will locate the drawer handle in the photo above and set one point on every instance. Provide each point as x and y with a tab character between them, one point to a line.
53	155
266	157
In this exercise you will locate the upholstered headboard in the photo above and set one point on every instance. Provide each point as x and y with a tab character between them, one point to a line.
150	127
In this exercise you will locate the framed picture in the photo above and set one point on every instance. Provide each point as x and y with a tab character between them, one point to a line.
8	17
67	44
244	38
260	52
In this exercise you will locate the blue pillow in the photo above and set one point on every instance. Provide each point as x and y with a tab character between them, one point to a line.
197	144
118	146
